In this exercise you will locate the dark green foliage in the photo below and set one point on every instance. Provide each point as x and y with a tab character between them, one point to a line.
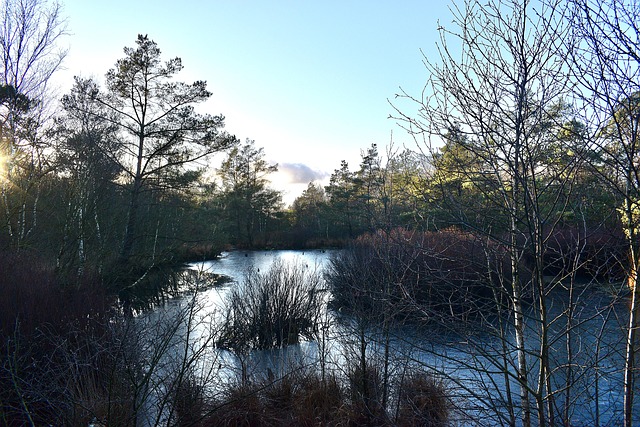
311	221
14	100
248	205
343	209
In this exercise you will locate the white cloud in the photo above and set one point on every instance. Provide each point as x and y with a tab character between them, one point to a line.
299	173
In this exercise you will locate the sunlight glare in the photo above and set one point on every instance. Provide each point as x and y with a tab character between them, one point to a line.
3	167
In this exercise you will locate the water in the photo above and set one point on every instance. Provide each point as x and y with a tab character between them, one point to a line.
235	264
469	365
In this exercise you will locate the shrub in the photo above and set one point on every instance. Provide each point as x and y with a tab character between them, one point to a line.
272	309
302	398
32	297
70	378
188	401
595	254
366	390
422	401
415	274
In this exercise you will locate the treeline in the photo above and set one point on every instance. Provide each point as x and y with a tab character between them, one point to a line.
120	179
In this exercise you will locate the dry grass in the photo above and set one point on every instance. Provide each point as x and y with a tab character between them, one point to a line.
302	398
299	398
422	401
32	297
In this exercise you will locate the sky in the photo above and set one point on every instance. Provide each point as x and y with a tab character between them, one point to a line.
309	81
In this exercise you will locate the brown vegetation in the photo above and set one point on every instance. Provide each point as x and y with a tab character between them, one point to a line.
443	271
273	308
302	398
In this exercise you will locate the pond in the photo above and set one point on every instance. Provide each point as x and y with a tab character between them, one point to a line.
477	368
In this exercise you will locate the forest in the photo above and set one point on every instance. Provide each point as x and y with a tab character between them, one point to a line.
514	213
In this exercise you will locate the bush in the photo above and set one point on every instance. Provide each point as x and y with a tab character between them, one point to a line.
412	274
68	378
69	356
366	406
422	401
302	398
272	309
595	254
32	297
188	401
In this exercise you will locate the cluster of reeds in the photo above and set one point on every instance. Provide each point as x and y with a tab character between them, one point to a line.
302	398
273	308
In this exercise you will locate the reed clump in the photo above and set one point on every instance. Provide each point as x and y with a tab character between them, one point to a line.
273	309
301	397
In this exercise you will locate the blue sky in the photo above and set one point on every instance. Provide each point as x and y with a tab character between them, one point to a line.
308	81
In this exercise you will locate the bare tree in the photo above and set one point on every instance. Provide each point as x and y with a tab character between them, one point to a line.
31	31
498	86
606	64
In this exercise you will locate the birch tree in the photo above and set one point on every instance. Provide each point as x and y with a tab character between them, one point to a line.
497	82
85	144
606	64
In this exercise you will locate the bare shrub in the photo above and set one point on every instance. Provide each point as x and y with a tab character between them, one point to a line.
72	369
366	406
273	309
39	318
381	273
188	401
70	378
299	397
240	405
302	397
30	288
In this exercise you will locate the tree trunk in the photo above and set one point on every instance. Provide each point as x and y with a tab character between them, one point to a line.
630	354
132	218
